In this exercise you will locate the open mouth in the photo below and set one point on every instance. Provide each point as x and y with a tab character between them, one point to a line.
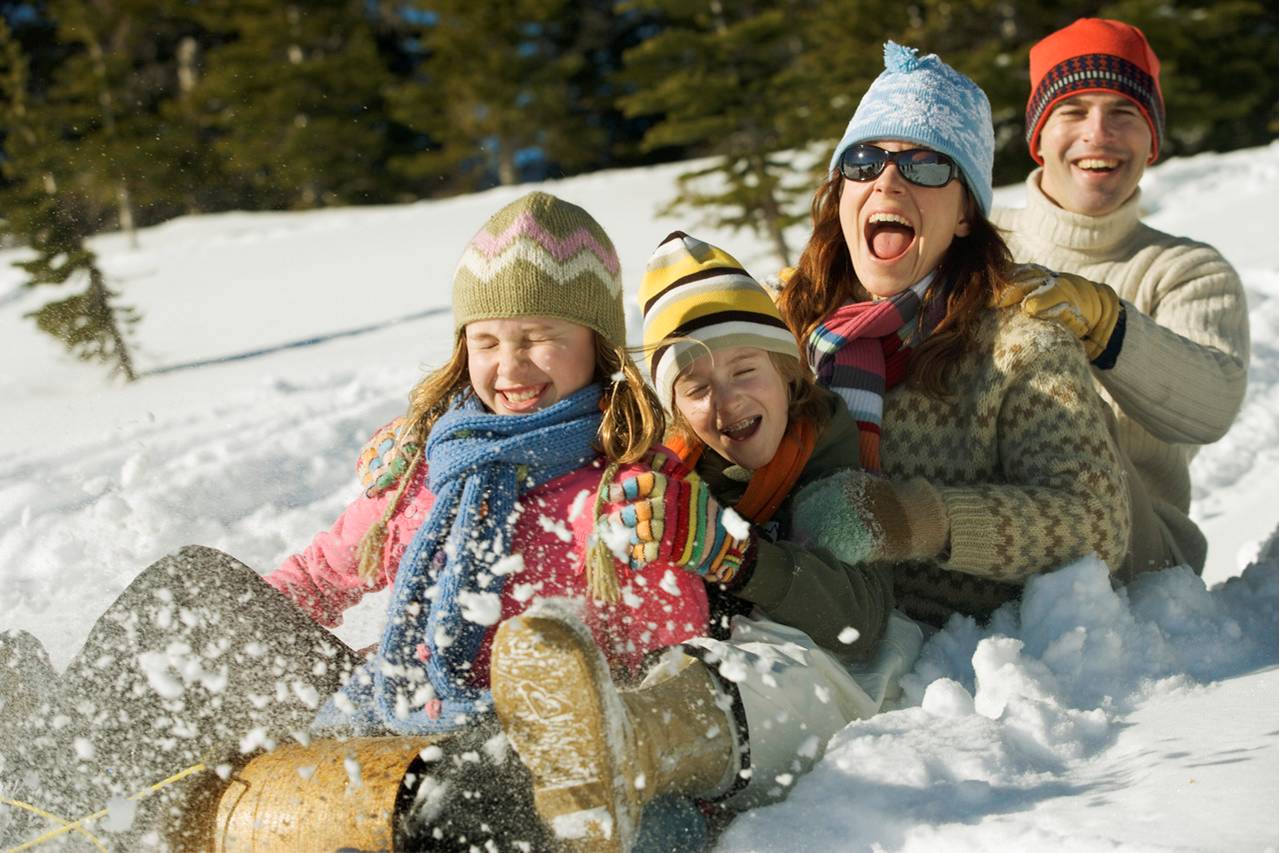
889	235
743	429
524	397
1098	165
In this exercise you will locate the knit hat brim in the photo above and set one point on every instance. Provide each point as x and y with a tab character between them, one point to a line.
541	256
1094	55
697	300
924	101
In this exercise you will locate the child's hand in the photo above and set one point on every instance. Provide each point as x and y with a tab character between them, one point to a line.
673	518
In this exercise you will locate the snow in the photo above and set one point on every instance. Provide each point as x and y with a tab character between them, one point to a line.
848	635
734	524
272	345
1079	707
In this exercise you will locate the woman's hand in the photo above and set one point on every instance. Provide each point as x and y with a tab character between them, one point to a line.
862	518
672	517
1088	309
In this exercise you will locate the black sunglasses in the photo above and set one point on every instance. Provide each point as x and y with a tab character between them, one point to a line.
920	166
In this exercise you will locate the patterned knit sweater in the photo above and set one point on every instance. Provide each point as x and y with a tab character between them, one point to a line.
1025	463
1180	377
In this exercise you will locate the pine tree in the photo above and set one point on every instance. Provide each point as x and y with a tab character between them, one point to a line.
53	211
292	98
500	87
107	97
718	76
1218	70
601	32
843	51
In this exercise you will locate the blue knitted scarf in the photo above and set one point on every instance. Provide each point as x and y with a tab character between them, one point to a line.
478	466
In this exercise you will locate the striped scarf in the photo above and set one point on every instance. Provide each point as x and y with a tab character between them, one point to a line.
861	350
448	588
769	486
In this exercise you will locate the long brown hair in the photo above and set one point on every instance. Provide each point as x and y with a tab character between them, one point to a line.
633	418
972	271
633	422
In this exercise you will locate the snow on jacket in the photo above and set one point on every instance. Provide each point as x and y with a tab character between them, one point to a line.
551	536
1180	377
804	587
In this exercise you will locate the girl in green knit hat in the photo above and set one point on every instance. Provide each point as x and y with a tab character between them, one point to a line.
480	501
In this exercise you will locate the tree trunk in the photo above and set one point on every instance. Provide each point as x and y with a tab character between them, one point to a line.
771	211
107	102
102	302
773	222
507	174
188	75
125	204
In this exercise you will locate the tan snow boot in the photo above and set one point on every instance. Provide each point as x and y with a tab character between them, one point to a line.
597	754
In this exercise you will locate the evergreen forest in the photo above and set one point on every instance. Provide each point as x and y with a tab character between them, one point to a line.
119	114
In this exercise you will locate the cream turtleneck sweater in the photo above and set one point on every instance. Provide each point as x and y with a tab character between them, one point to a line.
1179	379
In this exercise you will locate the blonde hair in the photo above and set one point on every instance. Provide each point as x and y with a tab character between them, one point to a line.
804	397
633	422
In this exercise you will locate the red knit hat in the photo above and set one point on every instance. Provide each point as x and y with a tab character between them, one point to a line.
1094	55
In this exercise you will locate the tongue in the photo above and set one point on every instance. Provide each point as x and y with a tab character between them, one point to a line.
890	241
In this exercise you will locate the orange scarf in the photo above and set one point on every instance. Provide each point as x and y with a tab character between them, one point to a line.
770	485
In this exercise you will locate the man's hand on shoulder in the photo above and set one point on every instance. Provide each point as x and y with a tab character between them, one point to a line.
1089	309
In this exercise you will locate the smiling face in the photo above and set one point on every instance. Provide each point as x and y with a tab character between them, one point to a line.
897	232
1095	148
524	364
735	400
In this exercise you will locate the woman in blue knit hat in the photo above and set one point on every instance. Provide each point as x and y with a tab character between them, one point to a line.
986	453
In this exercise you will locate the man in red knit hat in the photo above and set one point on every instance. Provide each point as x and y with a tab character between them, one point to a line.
1168	331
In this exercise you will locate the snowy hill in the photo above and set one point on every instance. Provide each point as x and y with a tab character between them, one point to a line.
272	344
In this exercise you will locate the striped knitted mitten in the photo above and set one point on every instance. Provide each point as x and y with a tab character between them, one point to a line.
863	518
673	518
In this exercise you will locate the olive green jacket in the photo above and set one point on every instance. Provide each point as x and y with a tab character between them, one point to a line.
806	588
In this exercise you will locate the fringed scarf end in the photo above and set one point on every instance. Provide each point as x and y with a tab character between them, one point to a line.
369	553
602	577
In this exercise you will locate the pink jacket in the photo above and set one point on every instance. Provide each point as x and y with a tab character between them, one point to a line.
551	535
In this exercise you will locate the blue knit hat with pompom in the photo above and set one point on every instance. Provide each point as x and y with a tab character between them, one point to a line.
924	101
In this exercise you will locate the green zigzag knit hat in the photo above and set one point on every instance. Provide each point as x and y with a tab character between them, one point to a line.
541	255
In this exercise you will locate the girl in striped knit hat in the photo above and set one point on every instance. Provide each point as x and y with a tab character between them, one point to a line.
727	714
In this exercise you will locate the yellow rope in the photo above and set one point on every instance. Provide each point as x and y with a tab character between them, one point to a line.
51	817
76	825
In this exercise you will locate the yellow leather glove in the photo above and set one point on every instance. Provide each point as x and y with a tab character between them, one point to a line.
1090	310
775	284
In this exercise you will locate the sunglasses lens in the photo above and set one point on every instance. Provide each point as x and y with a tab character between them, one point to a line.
926	168
862	163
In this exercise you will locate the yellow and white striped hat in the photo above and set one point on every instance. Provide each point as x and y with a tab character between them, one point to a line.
698	299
